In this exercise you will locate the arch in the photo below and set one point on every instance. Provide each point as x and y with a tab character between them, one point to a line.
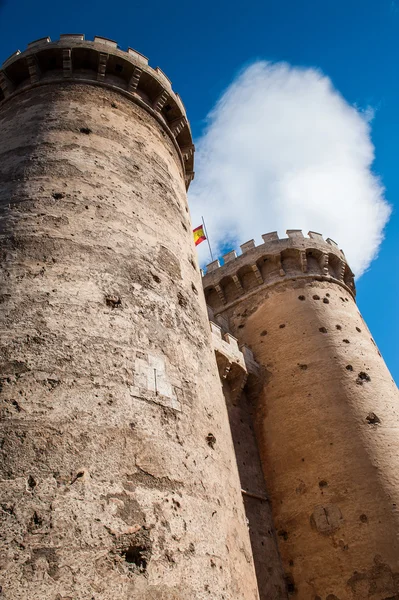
230	288
212	298
290	260
314	258
269	266
334	266
349	277
247	278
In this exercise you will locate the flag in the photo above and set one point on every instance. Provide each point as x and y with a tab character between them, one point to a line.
199	235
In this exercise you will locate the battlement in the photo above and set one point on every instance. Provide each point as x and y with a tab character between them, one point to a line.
234	363
293	257
102	62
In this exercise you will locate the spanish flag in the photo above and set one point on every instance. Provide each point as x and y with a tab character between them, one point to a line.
199	235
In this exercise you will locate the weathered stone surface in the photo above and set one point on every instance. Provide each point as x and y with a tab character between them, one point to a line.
109	386
325	415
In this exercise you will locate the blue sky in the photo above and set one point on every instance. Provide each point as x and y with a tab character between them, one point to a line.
202	47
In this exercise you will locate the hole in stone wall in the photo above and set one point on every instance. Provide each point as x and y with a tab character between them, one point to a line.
192	263
338	327
301	298
322	330
211	440
85	130
137	555
58	195
372	419
362	377
346	341
31	482
182	300
264	332
113	301
349	368
316	297
358	329
194	289
290	585
282	326
326	301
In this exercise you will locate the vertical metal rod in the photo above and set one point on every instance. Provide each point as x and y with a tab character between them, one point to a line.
155	381
207	237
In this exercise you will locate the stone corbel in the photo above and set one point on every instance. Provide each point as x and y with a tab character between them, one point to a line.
304	261
237	282
102	65
220	293
134	80
33	68
67	62
177	125
324	264
160	101
5	84
257	273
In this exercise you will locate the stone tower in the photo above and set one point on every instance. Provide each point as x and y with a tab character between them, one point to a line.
325	412
117	470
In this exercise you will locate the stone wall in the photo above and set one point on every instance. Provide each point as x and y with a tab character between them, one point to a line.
117	471
325	415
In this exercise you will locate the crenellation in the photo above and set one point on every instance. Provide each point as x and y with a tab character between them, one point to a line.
331	242
154	91
107	42
316	236
72	37
247	246
165	79
232	255
270	237
39	42
295	234
275	261
212	266
138	56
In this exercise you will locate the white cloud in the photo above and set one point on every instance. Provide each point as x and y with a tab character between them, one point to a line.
283	150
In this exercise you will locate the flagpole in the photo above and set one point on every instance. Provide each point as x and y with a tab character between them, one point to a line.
207	237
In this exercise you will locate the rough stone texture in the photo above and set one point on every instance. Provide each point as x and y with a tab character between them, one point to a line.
109	485
326	417
235	369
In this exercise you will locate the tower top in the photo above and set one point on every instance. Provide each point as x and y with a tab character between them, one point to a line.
276	260
102	62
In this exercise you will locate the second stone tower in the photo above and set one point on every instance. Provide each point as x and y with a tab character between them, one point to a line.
325	410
